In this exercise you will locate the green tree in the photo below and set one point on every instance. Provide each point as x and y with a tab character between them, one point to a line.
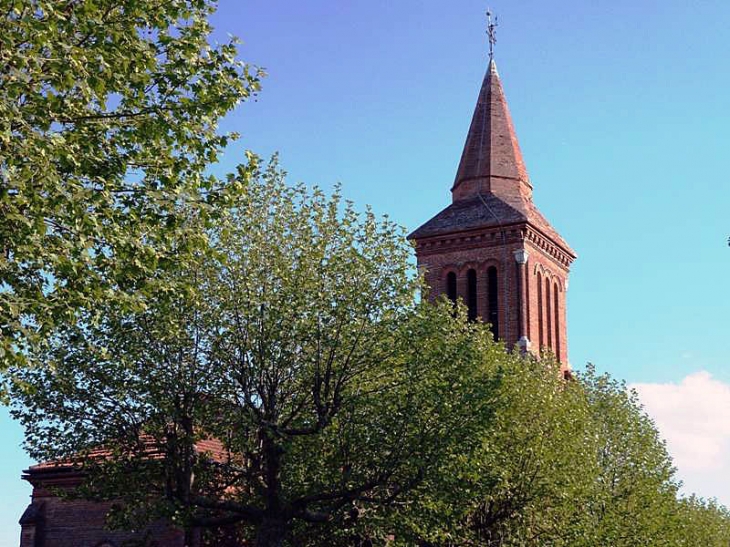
283	383
634	499
515	479
538	456
297	340
108	115
703	523
560	463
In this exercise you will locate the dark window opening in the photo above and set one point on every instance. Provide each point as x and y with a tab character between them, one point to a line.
557	322
549	315
451	286
493	301
540	329
471	294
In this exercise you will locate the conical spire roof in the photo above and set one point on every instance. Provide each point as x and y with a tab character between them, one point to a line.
491	161
491	187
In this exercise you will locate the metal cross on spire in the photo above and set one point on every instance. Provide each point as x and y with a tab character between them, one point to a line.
491	32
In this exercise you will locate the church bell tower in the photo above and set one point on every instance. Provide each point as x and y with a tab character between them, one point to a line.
492	248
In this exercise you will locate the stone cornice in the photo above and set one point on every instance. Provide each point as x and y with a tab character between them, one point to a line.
471	239
493	237
62	476
549	247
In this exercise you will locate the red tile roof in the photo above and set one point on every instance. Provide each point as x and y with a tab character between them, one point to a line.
213	447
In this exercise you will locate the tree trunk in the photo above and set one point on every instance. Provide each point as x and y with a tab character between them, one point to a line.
271	533
192	537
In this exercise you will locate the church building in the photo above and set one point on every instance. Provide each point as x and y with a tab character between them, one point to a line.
492	248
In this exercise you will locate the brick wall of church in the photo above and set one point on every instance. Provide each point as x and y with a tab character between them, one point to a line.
440	258
480	257
544	265
55	522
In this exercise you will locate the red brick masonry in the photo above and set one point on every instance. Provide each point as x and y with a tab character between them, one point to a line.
493	222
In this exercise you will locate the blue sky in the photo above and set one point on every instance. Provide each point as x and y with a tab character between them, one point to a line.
622	111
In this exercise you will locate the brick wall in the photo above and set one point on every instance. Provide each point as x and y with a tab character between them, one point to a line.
519	312
51	521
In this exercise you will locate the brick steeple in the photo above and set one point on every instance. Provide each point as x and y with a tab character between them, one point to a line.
491	247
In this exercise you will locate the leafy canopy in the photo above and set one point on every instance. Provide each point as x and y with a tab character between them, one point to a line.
108	117
285	376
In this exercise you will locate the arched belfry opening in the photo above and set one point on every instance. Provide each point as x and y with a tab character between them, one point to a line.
451	291
471	294
548	315
518	280
556	313
541	340
493	301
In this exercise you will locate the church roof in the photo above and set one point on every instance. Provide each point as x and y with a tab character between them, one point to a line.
469	214
73	466
485	212
491	148
491	187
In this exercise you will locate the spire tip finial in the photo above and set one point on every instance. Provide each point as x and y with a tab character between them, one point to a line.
491	32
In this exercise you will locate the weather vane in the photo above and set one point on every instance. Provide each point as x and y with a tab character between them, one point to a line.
491	32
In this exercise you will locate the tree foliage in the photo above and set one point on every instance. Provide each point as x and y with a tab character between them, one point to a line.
296	339
108	116
284	384
575	463
703	522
